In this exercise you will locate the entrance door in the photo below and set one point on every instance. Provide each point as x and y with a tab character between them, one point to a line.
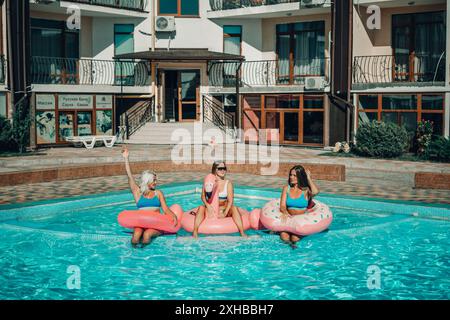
181	95
188	100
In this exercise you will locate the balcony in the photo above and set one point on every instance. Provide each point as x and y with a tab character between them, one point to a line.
138	5
267	73
265	8
405	70
217	5
66	71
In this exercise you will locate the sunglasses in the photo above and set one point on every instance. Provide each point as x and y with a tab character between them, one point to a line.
222	168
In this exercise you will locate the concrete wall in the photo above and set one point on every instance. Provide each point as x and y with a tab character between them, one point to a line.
103	35
205	33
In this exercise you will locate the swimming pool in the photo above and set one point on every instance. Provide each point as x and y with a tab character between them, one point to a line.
373	250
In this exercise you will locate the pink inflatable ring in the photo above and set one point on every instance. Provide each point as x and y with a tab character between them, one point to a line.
147	219
314	220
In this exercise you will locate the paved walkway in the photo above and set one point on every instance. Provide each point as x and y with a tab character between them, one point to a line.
364	177
69	188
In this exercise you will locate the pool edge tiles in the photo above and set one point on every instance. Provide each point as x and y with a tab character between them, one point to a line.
14	211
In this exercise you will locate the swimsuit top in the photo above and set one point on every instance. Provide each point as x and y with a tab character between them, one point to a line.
224	194
148	203
299	203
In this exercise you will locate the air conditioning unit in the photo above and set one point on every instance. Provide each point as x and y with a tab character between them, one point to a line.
314	83
312	3
165	24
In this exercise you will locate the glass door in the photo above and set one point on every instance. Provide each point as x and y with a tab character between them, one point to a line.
66	125
84	123
188	91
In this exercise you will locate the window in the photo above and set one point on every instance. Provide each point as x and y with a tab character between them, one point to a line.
232	39
301	51
50	38
124	43
418	46
403	109
178	7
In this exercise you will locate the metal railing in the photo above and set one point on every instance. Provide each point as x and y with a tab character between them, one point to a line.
398	68
267	72
138	5
137	116
50	70
2	69
213	112
217	5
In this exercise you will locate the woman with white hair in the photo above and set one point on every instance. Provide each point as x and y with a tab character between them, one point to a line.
147	198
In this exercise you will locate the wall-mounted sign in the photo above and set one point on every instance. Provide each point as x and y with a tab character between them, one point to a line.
72	101
45	102
103	101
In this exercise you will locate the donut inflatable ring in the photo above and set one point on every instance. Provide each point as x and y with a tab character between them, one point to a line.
314	220
213	224
147	219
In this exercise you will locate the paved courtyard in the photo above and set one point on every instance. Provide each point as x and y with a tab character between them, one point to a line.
364	177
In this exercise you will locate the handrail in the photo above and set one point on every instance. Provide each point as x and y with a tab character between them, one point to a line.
55	70
138	5
214	113
217	5
138	115
398	68
267	72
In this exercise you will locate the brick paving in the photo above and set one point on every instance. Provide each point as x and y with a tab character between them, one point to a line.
373	178
70	188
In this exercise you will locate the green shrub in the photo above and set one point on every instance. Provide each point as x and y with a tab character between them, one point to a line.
6	140
424	134
21	125
438	149
381	140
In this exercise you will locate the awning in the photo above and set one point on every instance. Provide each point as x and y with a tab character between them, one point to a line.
179	54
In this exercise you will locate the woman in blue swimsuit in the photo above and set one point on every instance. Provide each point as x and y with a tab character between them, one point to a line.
147	198
296	198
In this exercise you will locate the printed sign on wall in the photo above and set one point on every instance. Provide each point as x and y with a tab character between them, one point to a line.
103	101
72	101
45	102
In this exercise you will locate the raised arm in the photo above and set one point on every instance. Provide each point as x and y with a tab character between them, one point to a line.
314	188
133	185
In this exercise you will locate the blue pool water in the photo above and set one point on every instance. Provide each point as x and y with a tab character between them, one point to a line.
42	243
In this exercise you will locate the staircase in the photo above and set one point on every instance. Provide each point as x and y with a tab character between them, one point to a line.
217	127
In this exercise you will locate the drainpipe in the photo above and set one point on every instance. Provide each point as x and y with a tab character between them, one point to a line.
447	76
152	63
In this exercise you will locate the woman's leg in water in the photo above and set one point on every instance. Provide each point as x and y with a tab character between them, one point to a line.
199	217
237	218
137	233
148	235
285	237
295	238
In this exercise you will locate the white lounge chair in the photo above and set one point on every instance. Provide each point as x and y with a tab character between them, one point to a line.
90	141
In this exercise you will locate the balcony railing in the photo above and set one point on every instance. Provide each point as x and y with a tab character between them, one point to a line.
2	69
50	70
217	5
399	68
139	5
267	72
